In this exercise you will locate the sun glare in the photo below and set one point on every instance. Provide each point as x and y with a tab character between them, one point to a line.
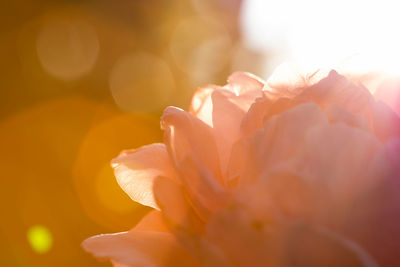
321	33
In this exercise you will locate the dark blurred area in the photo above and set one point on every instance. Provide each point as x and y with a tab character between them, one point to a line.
81	81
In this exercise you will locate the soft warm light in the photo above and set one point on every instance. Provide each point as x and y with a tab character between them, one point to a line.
67	49
201	55
40	239
101	198
109	193
141	82
320	33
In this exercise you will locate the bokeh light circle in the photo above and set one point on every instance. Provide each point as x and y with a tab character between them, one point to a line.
103	201
40	239
141	82
67	48
109	194
200	47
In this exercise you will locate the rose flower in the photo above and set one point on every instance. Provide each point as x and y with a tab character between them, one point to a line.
301	171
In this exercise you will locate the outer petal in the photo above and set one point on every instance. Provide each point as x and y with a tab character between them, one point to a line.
174	205
336	89
153	221
136	170
192	147
185	224
137	248
242	82
223	108
227	115
321	87
239	84
117	264
201	105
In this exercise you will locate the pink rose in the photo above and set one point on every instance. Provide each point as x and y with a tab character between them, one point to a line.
299	171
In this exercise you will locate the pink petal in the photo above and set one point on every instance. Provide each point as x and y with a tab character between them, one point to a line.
117	264
334	159
201	105
276	142
386	122
153	221
192	147
336	114
374	217
175	208
316	246
227	114
242	82
137	248
136	170
336	89
242	239
239	83
261	110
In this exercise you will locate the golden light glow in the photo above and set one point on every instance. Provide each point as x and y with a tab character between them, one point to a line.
102	199
40	239
81	81
203	55
109	194
67	48
141	76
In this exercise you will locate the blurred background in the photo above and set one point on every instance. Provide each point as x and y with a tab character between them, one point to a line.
82	80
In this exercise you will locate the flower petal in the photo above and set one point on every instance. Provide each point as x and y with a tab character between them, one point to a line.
336	114
227	114
242	82
136	170
174	206
137	248
275	143
242	240
386	122
334	159
192	147
239	84
337	154
374	216
153	221
317	246
336	89
201	105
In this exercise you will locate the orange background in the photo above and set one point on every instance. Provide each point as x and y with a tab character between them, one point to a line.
81	81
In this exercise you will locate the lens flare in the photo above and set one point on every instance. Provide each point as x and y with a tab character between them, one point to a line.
40	239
